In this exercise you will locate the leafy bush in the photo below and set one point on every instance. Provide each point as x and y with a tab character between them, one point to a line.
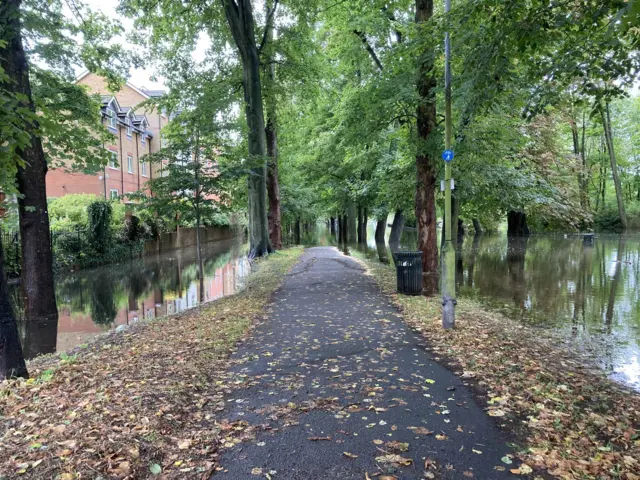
70	210
607	220
218	219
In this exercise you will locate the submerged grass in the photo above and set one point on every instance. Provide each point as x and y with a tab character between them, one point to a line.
135	404
575	423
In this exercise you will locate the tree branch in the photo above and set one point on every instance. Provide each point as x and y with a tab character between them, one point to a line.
268	25
369	48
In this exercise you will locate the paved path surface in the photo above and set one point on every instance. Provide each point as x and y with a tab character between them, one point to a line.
333	369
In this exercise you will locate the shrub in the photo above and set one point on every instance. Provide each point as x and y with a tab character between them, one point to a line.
70	210
607	219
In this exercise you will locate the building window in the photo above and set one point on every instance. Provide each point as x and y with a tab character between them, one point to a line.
128	127
129	164
113	194
111	115
143	139
144	169
113	160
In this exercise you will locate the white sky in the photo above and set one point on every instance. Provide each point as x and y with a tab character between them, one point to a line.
140	77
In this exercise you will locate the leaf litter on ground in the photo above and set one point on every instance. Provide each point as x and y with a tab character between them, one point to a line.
574	421
140	403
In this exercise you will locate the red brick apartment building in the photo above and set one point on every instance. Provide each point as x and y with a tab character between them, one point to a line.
136	132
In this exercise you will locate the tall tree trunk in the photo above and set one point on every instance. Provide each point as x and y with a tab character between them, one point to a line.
239	16
340	229
37	259
606	123
476	226
517	224
11	358
425	163
365	220
381	228
273	187
352	233
360	216
396	230
297	231
332	225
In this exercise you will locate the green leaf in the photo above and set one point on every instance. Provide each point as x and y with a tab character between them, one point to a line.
155	469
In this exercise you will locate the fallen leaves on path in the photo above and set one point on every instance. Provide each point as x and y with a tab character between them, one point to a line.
578	423
138	404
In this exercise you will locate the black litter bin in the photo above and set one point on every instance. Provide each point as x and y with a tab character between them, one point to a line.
409	272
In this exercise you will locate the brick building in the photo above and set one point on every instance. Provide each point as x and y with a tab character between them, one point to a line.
136	132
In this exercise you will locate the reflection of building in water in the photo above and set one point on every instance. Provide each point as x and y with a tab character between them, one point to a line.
225	281
76	327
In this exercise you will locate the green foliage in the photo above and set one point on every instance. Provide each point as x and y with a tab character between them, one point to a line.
70	210
99	214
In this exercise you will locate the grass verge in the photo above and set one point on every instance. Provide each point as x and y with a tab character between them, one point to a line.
137	404
576	423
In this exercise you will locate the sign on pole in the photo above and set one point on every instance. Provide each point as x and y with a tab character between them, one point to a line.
447	155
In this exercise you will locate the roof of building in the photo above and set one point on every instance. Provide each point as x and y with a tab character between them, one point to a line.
153	93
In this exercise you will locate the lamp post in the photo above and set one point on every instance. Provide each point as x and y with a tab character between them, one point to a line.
448	252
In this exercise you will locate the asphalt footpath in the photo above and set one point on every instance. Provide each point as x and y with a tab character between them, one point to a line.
336	386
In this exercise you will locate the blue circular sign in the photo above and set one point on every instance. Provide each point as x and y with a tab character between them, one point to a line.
447	155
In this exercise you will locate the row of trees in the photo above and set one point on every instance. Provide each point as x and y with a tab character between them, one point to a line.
341	106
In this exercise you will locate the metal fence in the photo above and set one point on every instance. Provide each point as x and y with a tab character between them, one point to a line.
65	244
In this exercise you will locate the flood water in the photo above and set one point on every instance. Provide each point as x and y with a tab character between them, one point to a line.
586	292
97	300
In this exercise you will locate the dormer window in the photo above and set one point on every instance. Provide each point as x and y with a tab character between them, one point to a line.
129	128
111	118
143	137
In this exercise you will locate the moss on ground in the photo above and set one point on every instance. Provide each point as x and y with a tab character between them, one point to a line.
138	403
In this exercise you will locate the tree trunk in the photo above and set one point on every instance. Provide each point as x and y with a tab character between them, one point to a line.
273	187
239	16
360	216
396	230
332	225
606	123
476	226
11	358
460	233
425	163
381	228
297	231
340	229
517	224
352	234
365	220
37	258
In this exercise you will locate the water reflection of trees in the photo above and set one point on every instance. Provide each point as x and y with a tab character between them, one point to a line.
103	291
102	296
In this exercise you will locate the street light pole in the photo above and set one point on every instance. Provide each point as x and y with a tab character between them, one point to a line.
448	252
